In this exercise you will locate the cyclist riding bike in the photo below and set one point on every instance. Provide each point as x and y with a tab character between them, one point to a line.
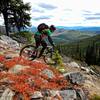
43	32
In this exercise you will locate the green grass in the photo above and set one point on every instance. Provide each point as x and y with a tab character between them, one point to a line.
23	36
95	97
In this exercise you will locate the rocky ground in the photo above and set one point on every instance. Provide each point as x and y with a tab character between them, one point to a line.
21	79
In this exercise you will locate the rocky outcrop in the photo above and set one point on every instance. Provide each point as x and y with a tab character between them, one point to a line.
74	77
9	42
7	95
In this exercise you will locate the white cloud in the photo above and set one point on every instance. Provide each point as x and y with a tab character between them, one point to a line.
69	12
65	12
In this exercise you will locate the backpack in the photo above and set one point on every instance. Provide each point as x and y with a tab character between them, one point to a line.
42	26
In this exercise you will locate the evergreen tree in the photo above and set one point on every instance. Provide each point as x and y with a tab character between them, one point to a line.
4	10
15	13
91	54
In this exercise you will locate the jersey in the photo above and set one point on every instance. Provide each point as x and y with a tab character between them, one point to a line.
44	33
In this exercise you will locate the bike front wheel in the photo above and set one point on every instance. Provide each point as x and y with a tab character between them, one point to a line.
28	52
49	58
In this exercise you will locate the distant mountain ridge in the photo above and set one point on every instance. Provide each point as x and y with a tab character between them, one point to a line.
67	36
70	34
81	28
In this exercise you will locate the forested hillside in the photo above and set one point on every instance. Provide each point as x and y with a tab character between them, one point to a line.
87	50
71	35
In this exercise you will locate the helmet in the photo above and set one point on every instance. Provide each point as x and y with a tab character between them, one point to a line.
42	26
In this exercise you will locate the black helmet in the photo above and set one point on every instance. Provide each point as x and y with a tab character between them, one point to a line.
42	26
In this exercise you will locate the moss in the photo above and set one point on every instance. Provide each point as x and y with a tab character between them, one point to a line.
59	62
95	97
1	34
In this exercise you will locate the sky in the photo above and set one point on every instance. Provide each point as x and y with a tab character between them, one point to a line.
64	12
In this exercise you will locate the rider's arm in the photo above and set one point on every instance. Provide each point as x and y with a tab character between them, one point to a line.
48	32
49	37
50	40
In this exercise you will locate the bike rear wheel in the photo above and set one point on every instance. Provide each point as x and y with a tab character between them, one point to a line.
28	52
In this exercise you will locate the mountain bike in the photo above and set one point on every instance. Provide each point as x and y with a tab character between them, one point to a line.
29	52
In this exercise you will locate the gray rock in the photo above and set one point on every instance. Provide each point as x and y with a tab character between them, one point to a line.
85	69
68	94
74	77
8	57
73	64
2	68
48	72
20	39
73	94
66	59
1	65
7	95
17	68
37	94
81	95
9	41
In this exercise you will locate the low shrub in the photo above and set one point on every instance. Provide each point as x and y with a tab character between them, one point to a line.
95	97
23	37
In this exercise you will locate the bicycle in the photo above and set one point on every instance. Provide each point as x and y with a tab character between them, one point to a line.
30	53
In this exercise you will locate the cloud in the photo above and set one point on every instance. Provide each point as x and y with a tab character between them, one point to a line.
92	14
37	10
86	11
67	9
42	18
65	12
47	6
92	18
98	14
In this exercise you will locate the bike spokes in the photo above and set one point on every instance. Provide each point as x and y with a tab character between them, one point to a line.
48	58
28	52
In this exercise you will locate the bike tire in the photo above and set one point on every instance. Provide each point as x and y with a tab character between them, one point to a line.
26	55
48	58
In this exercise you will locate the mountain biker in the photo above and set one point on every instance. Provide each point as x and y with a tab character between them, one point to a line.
43	32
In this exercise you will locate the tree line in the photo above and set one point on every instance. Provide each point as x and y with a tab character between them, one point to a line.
88	52
15	14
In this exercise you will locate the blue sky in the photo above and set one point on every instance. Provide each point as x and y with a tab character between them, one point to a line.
65	12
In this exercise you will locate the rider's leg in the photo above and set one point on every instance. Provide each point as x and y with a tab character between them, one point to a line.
44	44
37	43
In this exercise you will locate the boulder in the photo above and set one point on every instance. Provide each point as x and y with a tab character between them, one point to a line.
7	95
74	77
9	41
73	64
36	95
68	94
85	69
81	95
73	94
17	68
48	72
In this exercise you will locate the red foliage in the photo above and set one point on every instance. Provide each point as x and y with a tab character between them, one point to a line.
2	58
31	79
9	64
